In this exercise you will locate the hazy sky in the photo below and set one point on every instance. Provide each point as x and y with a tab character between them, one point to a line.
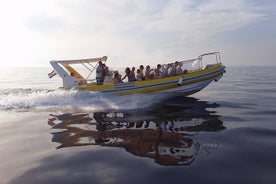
133	32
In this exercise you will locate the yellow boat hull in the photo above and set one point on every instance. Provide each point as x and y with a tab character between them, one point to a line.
187	83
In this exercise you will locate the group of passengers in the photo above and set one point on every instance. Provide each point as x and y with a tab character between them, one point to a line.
160	71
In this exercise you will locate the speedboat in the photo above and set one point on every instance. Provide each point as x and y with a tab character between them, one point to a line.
197	74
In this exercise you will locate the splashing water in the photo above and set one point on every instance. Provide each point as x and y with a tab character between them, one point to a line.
19	98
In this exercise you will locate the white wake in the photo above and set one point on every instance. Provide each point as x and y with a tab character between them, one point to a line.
42	98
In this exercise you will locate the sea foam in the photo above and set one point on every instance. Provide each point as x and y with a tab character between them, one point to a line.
20	98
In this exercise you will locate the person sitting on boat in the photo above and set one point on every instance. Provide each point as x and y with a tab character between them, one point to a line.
107	72
117	78
157	72
132	74
100	73
172	70
169	66
127	74
138	75
142	72
107	75
179	69
165	70
149	73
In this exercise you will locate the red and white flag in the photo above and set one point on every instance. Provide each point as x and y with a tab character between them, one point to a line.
52	74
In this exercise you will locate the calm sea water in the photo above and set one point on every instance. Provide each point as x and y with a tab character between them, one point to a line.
223	134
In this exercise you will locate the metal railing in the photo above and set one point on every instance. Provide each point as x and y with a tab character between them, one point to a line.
217	54
194	64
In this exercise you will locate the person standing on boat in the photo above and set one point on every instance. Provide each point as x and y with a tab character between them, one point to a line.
99	73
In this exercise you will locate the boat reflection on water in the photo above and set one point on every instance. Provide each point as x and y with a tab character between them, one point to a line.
166	132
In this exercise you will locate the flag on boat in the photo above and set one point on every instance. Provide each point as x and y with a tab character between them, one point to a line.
52	74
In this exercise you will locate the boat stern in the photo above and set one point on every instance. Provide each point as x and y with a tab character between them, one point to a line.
68	81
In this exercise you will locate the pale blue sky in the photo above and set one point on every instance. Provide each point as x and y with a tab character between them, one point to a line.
137	32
